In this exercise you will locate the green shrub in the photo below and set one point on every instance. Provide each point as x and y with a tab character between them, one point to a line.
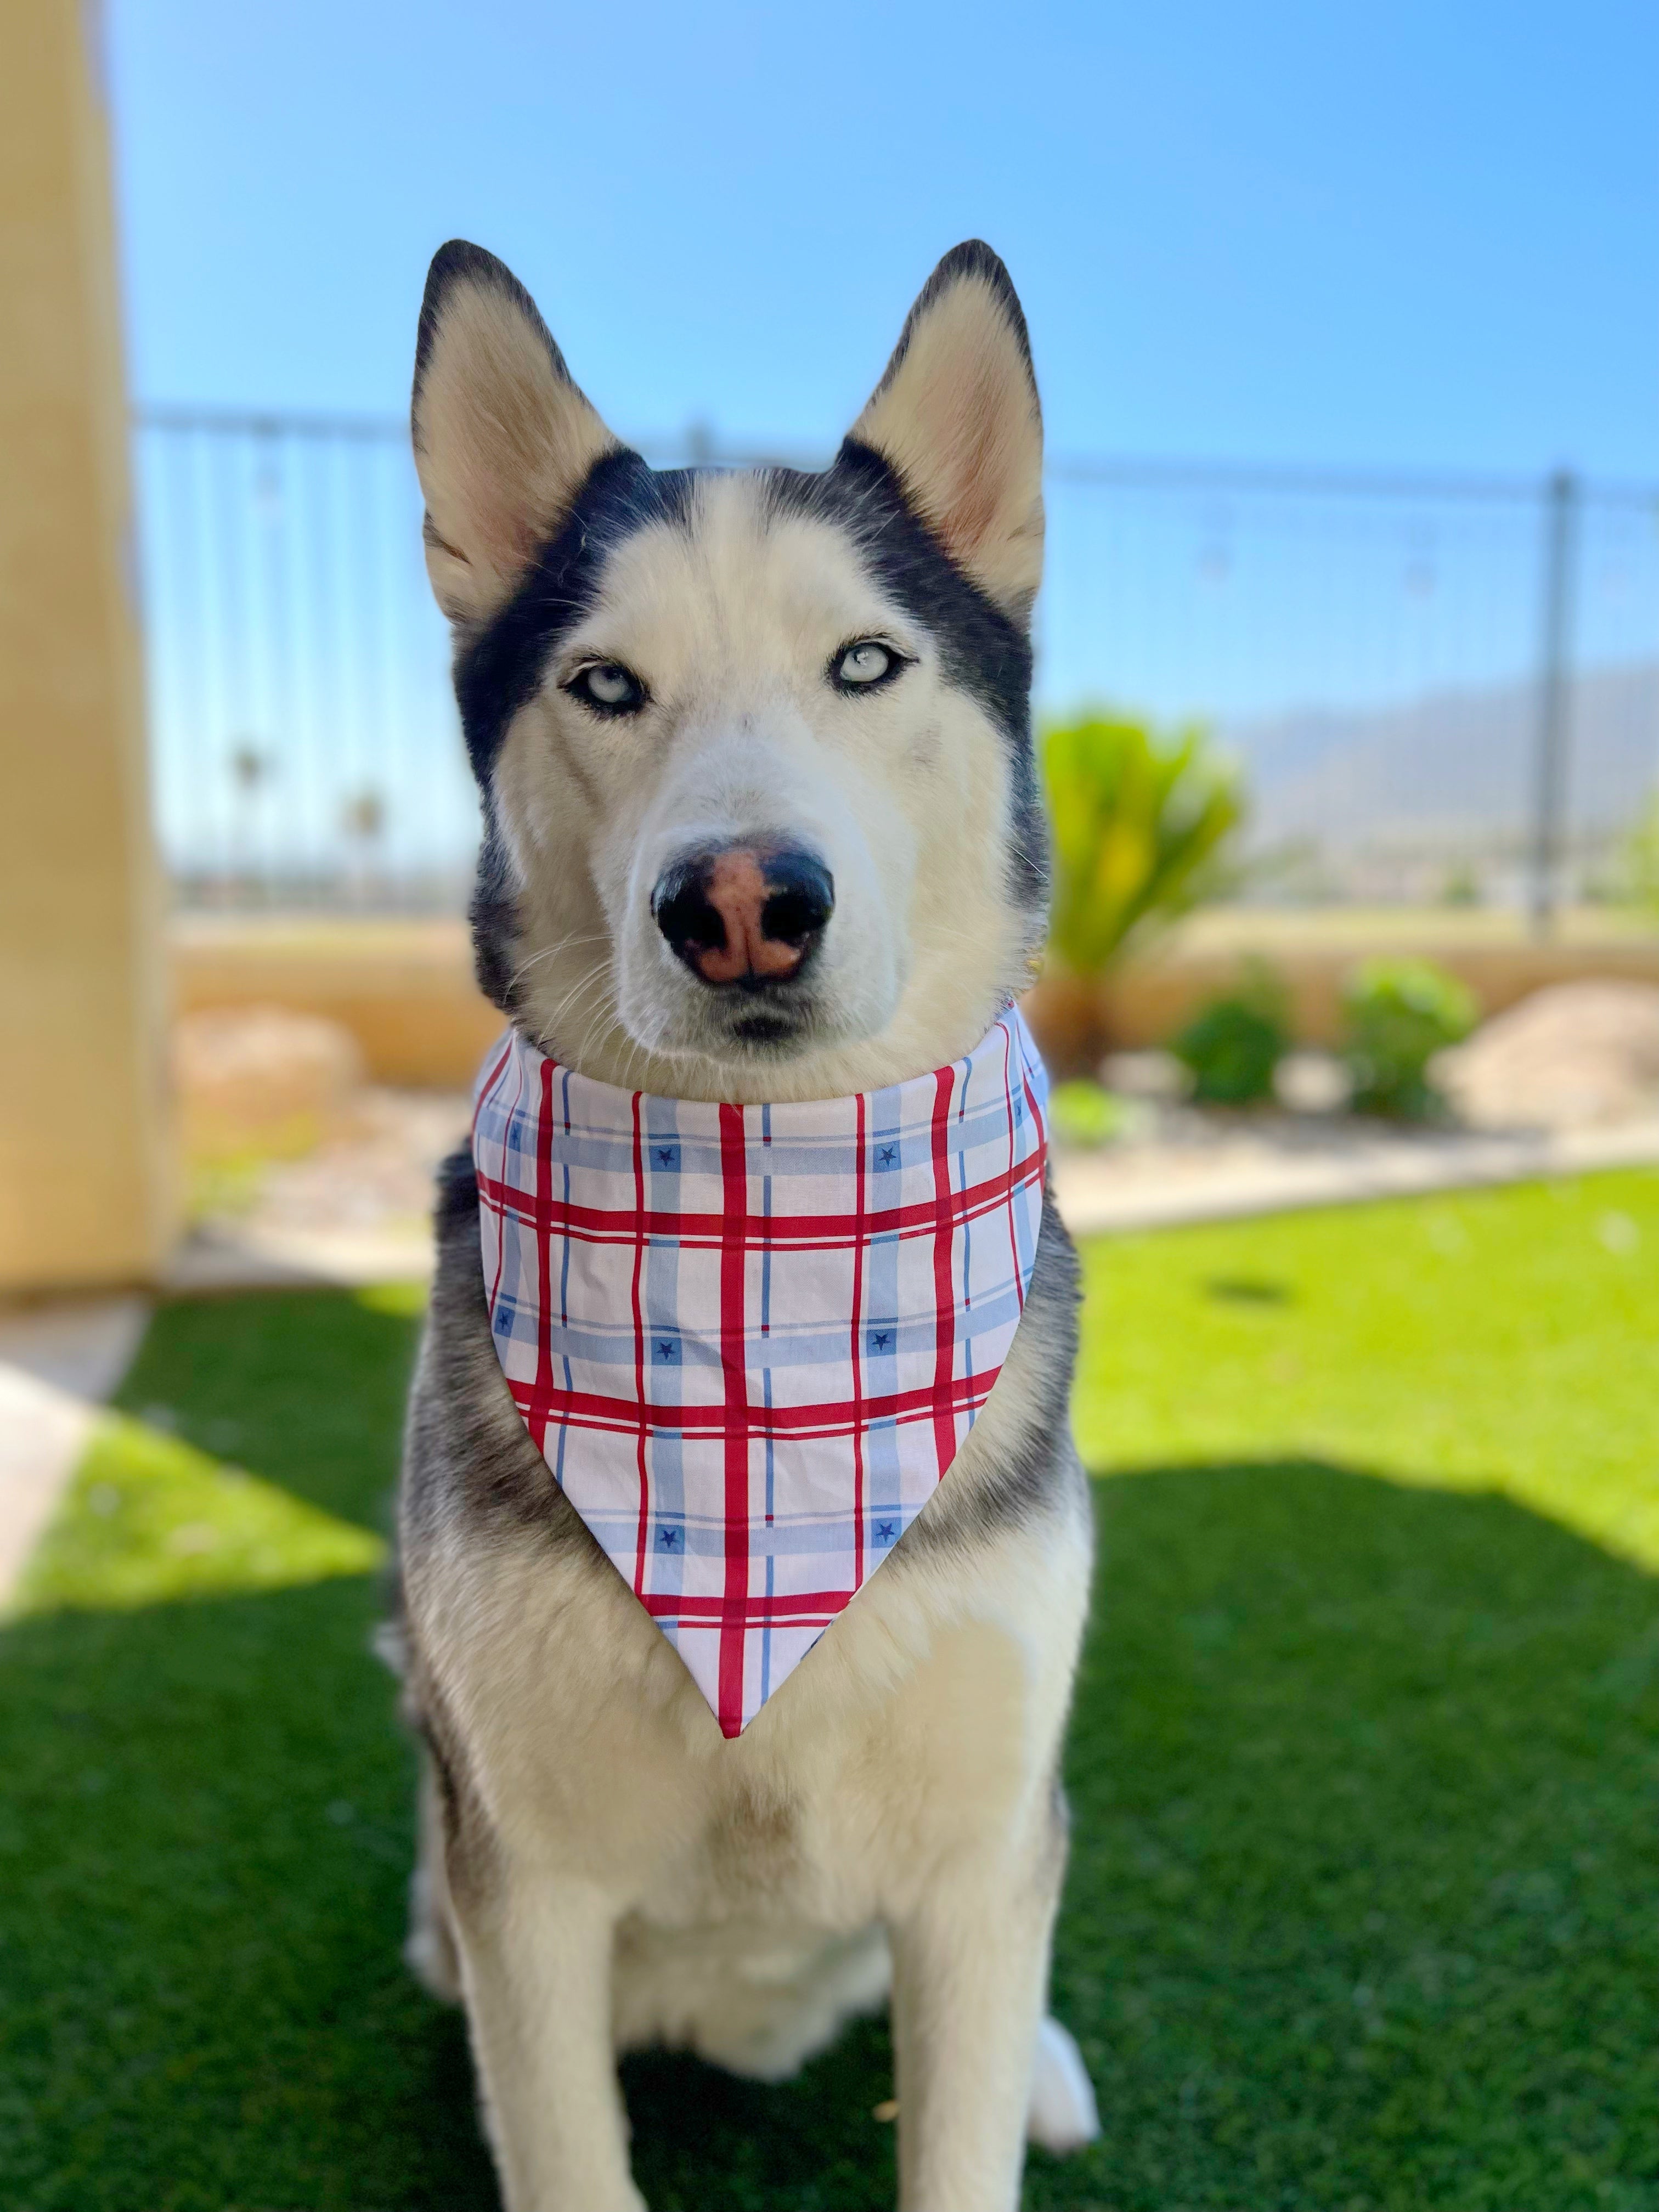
1639	859
1233	1045
1142	826
1461	886
1400	1013
1085	1113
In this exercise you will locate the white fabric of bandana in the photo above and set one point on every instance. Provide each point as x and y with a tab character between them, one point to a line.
748	1340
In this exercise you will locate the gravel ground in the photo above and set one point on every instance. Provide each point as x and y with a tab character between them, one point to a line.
356	1210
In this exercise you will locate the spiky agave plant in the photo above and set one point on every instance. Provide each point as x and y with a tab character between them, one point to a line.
1143	824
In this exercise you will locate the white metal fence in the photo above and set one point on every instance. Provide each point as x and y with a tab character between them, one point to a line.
1437	687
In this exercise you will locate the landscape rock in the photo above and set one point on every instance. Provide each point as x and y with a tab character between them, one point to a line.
1572	1056
260	1079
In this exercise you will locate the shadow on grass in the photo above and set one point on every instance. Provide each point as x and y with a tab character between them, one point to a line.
1357	1914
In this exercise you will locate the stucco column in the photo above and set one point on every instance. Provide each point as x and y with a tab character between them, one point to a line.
85	1161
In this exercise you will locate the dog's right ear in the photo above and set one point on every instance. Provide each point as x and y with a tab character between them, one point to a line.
503	439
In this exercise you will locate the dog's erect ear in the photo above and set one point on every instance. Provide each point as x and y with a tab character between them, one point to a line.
956	415
503	439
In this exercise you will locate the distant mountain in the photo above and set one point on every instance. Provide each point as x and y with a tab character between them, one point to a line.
1453	769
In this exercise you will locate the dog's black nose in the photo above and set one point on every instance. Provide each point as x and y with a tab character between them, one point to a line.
744	916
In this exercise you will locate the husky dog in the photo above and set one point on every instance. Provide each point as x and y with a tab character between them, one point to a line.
761	824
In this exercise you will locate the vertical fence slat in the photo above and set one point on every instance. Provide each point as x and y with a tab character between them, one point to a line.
1549	801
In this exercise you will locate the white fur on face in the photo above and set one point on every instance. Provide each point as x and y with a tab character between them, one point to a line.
903	793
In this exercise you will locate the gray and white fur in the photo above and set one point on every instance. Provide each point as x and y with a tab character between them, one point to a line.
761	824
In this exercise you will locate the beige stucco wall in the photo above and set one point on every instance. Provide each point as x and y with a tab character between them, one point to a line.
404	989
84	1183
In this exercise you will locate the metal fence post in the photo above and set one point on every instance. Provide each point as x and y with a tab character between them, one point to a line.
1554	681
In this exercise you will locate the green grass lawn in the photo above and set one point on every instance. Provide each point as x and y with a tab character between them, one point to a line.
1361	1904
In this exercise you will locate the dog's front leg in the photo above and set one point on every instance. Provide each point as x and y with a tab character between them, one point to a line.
970	1973
536	1957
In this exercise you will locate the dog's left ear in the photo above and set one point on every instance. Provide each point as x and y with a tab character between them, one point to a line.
957	416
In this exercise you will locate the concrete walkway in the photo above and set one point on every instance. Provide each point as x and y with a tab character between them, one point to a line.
56	1364
1278	1164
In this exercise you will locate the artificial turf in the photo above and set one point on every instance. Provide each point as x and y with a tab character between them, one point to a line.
1361	1909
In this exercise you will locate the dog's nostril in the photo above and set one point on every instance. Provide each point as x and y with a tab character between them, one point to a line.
684	914
801	897
743	916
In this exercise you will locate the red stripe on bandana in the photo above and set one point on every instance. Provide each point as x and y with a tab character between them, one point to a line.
827	1232
639	1357
734	1365
544	1259
944	1315
829	1417
858	1532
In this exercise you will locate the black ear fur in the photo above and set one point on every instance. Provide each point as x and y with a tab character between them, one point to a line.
972	258
458	259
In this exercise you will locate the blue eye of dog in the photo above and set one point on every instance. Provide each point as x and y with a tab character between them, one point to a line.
608	687
868	662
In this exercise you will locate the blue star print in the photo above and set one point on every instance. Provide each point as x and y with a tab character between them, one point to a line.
668	1538
886	1154
880	1338
884	1532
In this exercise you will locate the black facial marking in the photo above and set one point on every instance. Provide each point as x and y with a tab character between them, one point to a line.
984	651
493	914
498	672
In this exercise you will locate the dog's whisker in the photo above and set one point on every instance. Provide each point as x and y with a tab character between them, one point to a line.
605	1008
554	952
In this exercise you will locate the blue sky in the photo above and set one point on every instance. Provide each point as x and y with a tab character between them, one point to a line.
1424	232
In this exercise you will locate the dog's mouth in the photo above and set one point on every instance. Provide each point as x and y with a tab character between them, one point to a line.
746	1024
770	1020
772	1027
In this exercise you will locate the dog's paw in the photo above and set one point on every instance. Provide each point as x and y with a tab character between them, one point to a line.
1063	2117
429	1947
430	1956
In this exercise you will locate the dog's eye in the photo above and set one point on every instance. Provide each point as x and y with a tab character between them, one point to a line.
865	664
609	686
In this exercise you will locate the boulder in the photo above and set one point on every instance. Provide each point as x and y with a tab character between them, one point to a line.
1573	1056
261	1079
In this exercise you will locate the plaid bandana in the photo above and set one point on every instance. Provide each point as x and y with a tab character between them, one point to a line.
748	1340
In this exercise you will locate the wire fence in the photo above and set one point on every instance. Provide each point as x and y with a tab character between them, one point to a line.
1436	687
